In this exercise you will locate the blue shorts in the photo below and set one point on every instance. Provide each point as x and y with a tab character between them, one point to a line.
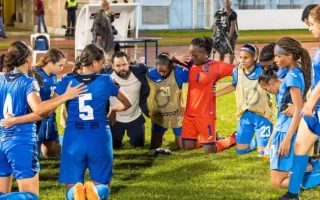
86	147
159	129
48	131
19	157
281	163
313	123
251	123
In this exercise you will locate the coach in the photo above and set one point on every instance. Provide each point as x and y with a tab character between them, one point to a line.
133	82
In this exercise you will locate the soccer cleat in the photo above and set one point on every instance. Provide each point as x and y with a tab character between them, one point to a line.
287	197
78	192
161	151
218	137
91	191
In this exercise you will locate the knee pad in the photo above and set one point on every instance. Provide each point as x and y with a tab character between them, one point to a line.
103	191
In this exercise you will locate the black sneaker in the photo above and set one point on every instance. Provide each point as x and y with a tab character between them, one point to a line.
161	151
287	196
5	37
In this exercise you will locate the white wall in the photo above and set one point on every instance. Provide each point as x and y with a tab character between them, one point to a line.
270	19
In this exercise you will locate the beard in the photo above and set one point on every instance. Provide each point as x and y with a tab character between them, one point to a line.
123	73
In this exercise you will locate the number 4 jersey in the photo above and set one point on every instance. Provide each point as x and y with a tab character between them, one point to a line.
15	87
91	106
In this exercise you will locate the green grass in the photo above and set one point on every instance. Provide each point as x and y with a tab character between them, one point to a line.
185	175
183	37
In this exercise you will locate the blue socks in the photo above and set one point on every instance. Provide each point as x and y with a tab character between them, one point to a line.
299	167
19	195
69	193
252	146
103	191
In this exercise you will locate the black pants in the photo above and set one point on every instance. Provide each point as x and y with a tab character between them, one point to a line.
71	22
135	131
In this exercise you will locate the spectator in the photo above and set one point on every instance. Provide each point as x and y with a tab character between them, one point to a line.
3	32
40	14
71	6
102	30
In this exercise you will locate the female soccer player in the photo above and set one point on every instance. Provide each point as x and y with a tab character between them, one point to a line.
48	67
254	110
291	90
18	150
200	114
309	127
87	139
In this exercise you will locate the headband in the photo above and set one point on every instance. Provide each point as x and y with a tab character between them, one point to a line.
280	50
247	49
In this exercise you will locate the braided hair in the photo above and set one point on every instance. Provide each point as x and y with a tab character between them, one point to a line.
294	47
205	43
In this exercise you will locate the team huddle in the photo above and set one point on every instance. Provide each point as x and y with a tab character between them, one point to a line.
94	97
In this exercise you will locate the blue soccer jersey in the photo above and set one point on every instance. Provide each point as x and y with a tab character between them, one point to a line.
254	75
282	72
181	74
315	78
48	87
295	79
91	106
15	87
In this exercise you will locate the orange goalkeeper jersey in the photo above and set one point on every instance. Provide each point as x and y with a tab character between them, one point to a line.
201	101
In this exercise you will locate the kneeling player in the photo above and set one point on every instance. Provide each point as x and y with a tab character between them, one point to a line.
166	103
87	140
200	114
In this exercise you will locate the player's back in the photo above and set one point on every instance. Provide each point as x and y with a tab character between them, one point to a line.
15	87
91	106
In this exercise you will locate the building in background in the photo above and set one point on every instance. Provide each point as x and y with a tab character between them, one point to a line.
169	14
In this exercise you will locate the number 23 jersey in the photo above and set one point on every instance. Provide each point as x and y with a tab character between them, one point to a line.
91	106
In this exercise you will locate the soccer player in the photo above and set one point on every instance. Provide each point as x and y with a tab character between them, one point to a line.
309	127
280	165
87	139
291	90
166	102
18	150
254	109
48	67
200	114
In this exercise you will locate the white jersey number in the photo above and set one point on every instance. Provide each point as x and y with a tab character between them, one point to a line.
83	108
265	131
7	107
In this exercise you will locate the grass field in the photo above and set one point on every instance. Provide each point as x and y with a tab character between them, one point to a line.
183	37
185	175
